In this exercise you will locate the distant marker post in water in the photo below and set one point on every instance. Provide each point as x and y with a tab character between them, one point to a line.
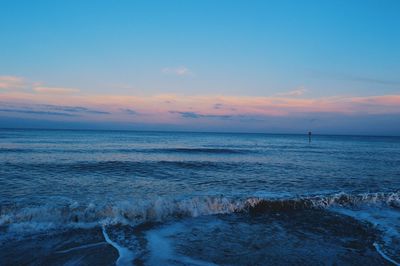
309	136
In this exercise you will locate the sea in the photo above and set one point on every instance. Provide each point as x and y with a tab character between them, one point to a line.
71	197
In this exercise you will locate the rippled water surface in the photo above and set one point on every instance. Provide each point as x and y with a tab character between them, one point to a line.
153	198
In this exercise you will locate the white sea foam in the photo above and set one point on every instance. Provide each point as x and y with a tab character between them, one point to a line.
72	214
386	257
162	251
126	256
386	220
81	247
65	214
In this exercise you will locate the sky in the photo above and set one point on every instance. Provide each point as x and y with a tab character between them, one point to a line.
331	67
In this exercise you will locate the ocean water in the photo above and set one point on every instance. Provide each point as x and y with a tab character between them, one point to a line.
168	198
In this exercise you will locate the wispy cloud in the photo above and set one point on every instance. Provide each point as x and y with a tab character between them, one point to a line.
48	109
218	106
72	109
11	82
198	115
294	93
36	112
178	71
129	111
55	90
15	82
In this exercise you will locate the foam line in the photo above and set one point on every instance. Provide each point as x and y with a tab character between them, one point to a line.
386	257
82	247
62	214
125	255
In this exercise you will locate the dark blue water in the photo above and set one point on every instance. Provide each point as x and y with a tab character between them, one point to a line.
157	198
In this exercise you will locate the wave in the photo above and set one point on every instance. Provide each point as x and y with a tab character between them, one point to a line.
341	199
123	166
16	150
201	150
205	150
64	213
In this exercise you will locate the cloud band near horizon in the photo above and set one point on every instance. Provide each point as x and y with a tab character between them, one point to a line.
22	99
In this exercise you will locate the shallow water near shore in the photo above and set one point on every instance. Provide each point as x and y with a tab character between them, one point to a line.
154	198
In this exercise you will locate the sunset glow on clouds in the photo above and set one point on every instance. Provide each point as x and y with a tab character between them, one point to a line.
11	82
58	103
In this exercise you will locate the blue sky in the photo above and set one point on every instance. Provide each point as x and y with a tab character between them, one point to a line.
198	53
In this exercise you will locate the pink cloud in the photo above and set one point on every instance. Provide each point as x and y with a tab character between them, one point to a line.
11	82
55	90
157	108
233	105
385	100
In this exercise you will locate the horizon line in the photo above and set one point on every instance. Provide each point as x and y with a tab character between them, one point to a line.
196	132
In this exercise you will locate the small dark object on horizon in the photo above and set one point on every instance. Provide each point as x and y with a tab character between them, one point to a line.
309	137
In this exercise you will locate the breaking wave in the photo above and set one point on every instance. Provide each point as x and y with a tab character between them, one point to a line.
65	213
